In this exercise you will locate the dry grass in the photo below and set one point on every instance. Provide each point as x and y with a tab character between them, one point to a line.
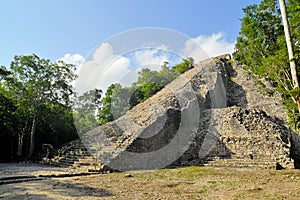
181	183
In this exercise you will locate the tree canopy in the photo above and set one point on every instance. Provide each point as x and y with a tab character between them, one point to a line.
36	104
262	50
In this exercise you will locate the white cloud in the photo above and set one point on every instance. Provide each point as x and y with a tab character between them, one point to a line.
153	59
150	57
75	59
211	46
106	67
116	72
102	70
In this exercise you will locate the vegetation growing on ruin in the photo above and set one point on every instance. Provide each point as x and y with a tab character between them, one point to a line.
261	48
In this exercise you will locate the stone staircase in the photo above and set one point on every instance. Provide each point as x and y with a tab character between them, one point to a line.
243	163
74	156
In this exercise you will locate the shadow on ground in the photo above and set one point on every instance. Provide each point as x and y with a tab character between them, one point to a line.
51	189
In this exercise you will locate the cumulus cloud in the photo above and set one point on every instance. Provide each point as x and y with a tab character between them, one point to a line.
103	69
116	72
150	57
211	45
75	59
106	67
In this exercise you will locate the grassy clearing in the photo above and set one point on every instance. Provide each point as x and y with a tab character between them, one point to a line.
180	183
199	183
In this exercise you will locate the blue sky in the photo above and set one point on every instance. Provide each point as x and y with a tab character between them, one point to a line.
52	29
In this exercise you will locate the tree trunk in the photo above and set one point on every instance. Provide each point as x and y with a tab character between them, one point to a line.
32	135
290	48
12	152
20	145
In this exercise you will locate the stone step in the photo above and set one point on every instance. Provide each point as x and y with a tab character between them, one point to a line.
75	155
242	163
87	164
79	164
19	180
63	161
72	155
75	152
248	161
236	165
67	160
61	164
87	159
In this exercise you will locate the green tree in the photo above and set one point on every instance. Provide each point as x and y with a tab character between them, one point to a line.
12	121
147	76
120	100
144	92
85	111
289	45
185	65
7	126
7	107
55	126
4	73
293	11
38	83
261	48
167	74
105	112
259	35
89	101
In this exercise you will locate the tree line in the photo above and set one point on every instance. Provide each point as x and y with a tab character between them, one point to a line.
37	102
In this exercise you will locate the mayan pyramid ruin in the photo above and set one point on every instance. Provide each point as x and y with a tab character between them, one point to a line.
212	115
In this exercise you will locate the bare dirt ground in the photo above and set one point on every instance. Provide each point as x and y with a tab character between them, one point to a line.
180	183
12	169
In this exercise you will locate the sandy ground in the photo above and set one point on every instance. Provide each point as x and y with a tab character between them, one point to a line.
180	183
14	169
50	188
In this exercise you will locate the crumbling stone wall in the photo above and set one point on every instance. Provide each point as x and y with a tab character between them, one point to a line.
243	130
252	133
214	110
